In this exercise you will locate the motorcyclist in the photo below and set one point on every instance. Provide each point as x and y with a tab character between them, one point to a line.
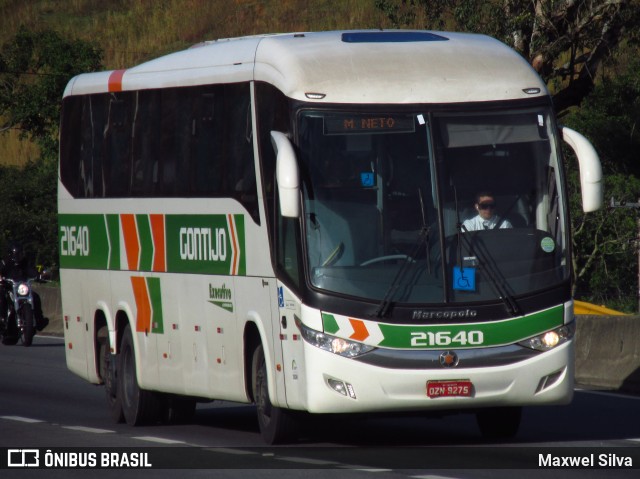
15	266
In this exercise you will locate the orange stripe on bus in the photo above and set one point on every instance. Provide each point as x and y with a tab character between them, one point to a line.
234	265
131	243
143	303
157	230
115	80
360	332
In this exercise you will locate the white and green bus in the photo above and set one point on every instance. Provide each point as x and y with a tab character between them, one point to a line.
280	220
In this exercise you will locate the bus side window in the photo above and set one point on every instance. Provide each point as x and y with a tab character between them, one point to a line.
144	157
204	177
117	141
241	175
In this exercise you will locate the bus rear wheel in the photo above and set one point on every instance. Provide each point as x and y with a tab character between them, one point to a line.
139	406
277	425
499	422
109	375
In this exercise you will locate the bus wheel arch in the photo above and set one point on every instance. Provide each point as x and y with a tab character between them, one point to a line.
100	341
251	341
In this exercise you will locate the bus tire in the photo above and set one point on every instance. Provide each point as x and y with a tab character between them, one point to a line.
277	425
109	375
499	422
139	406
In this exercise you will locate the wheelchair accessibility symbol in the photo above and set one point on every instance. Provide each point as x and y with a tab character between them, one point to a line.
464	279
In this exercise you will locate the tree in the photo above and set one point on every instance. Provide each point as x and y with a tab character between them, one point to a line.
34	70
605	244
566	41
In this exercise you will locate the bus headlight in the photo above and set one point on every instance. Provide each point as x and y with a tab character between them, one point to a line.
333	344
551	339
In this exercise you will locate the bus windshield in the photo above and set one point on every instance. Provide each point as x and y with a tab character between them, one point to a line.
425	208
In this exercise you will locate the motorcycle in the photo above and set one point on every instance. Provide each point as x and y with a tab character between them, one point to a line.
18	322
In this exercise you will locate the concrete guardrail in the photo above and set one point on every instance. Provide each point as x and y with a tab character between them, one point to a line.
607	347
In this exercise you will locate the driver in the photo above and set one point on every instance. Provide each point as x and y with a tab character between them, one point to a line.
486	219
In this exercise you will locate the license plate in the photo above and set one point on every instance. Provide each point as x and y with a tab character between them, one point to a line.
459	388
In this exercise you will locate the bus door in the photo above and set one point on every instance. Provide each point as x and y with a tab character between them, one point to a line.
292	347
269	294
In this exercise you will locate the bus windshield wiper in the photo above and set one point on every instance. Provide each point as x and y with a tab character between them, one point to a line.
486	262
385	304
423	238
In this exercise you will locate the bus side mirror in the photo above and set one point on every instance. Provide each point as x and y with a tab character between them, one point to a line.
287	175
590	169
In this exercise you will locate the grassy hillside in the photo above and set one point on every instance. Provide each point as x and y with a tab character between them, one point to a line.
132	31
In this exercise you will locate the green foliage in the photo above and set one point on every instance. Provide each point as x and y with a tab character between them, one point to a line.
29	210
610	117
605	244
36	66
34	70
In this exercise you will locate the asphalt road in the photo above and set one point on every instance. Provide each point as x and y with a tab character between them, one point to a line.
44	407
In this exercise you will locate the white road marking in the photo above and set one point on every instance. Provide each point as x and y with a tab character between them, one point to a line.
306	460
160	440
226	450
363	468
21	419
88	429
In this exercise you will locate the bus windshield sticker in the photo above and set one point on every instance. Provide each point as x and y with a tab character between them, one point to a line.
547	244
367	179
464	279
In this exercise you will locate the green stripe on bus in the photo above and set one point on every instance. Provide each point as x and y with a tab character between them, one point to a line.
83	241
202	244
467	335
146	243
113	232
330	324
497	333
155	296
242	267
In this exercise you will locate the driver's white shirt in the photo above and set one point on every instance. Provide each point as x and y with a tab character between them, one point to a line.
479	223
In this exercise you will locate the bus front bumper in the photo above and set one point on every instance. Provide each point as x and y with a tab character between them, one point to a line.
336	384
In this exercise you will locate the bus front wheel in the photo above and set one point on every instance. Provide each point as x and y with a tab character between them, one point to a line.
277	425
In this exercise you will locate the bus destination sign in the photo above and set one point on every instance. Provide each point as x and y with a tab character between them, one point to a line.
359	124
